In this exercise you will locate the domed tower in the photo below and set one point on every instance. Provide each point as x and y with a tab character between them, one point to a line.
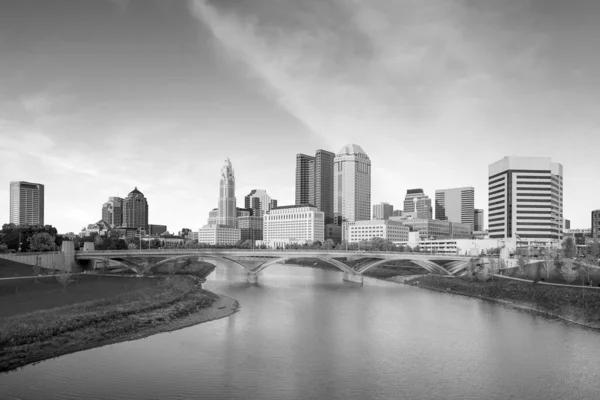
227	215
135	210
352	184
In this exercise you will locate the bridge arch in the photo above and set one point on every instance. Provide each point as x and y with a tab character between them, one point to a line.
426	264
199	257
338	264
121	262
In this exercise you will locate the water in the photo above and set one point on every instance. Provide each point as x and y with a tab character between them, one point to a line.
302	333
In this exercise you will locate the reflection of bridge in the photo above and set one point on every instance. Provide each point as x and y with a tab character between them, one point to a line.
254	261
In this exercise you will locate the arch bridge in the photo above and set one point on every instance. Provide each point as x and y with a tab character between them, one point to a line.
353	264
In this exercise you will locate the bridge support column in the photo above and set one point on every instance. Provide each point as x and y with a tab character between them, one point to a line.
355	278
252	277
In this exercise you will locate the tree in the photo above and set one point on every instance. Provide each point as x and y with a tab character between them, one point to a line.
154	243
549	256
42	241
64	279
567	271
568	247
37	268
471	268
483	273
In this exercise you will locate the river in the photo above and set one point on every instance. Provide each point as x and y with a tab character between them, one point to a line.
302	333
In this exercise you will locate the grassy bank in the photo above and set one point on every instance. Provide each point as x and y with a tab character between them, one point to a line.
161	305
571	304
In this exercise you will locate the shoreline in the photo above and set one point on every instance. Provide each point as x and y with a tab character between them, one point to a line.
515	304
62	345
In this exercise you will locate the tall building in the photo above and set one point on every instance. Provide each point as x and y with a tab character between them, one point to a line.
135	210
314	181
352	184
416	201
26	203
596	224
382	211
455	205
259	201
227	216
112	211
567	224
477	220
525	199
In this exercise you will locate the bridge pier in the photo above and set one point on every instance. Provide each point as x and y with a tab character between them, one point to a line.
355	278
252	277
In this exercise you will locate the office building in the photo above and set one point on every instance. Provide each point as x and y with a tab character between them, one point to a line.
259	201
352	184
386	229
218	234
112	211
227	212
154	229
314	181
416	201
477	220
435	229
26	203
525	199
455	205
382	211
567	224
293	224
595	224
135	210
581	236
251	227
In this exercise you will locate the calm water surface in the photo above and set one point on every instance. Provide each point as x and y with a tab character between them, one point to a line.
302	333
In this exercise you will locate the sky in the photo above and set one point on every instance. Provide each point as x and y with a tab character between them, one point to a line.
98	97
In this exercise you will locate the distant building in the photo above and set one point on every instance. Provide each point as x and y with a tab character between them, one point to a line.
525	199
135	210
314	181
385	229
26	203
382	211
227	213
101	228
478	220
251	228
567	224
293	224
352	184
397	213
416	201
458	246
215	235
259	201
455	205
112	211
333	232
435	229
156	229
595	224
212	216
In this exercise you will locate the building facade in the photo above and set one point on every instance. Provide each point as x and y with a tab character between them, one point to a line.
112	211
435	229
305	179
365	230
215	235
478	220
156	229
595	224
456	205
251	228
352	184
382	211
227	212
525	199
314	181
259	201
135	210
293	224
26	203
416	201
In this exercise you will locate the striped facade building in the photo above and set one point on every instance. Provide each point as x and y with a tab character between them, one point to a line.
525	199
456	205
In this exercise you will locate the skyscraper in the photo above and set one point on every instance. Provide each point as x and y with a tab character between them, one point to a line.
352	184
596	224
314	181
135	210
525	198
416	201
112	211
382	211
259	201
478	220
455	205
26	203
227	216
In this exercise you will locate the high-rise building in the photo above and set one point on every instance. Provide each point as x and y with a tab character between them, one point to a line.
567	224
227	216
382	211
135	210
112	211
259	201
416	201
455	205
525	199
352	184
596	224
26	203
477	220
314	181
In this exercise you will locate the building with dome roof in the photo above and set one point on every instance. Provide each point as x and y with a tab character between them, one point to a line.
135	210
352	184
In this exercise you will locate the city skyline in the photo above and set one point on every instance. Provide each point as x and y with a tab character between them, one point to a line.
148	86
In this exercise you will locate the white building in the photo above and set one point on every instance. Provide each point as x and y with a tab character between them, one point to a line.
525	199
459	246
293	224
456	205
218	235
352	184
385	229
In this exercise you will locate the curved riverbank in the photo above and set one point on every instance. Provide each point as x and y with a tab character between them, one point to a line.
567	304
44	334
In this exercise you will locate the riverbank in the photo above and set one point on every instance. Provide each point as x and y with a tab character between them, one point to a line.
174	304
574	305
